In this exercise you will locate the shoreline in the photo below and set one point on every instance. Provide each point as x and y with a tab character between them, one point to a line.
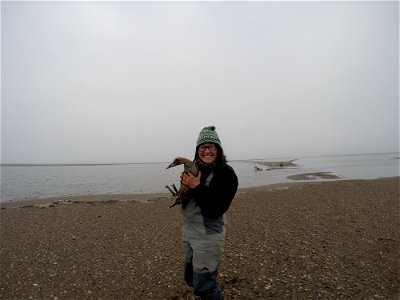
317	240
46	202
24	184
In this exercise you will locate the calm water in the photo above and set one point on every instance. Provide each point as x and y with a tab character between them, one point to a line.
32	182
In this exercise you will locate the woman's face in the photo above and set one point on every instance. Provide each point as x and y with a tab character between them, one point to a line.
207	153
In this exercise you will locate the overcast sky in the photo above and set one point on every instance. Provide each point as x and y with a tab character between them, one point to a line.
100	82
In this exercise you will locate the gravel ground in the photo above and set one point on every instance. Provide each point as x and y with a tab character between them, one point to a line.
329	240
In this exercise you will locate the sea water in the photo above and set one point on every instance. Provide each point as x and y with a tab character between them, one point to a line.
24	182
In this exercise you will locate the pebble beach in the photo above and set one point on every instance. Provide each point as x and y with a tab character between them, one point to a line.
317	240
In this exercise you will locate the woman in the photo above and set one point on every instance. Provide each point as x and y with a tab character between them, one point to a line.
203	214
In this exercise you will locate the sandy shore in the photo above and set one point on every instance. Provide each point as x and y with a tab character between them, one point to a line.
329	240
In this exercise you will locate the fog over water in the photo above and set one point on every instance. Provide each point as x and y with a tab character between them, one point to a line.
116	82
33	182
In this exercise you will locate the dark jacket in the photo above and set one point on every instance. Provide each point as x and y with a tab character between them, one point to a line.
215	199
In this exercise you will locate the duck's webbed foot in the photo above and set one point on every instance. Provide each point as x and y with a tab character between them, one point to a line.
171	191
174	191
177	202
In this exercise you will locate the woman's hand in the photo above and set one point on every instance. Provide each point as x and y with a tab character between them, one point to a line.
190	180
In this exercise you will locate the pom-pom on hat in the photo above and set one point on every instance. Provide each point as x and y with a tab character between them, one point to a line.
208	135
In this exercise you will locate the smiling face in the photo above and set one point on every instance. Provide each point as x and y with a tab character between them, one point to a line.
207	153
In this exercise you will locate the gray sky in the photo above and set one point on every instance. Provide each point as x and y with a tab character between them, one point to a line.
99	82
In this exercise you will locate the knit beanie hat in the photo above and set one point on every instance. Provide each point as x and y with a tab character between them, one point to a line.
208	135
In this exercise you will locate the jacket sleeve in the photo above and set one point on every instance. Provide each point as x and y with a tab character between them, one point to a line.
215	199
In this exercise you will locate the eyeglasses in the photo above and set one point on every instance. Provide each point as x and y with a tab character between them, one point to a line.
210	147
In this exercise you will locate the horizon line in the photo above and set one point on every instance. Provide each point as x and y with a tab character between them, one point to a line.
160	162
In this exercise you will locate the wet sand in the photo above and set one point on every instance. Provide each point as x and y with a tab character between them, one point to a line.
317	240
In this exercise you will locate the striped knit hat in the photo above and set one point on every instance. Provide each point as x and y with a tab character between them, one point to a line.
208	135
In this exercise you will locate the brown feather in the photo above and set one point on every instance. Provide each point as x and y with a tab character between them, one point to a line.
188	166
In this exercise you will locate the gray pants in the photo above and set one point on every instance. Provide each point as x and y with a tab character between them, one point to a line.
202	257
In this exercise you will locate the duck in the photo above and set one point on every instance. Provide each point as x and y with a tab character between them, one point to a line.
183	192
